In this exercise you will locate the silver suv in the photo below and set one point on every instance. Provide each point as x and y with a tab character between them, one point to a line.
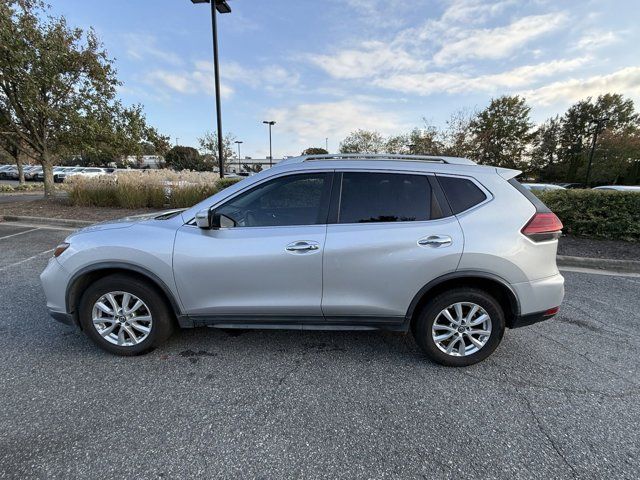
452	251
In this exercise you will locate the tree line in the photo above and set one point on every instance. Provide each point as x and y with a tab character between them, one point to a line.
503	135
58	95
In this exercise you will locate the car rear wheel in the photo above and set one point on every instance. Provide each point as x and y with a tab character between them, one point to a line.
460	327
125	316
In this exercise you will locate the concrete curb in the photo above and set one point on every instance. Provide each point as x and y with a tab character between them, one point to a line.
625	266
52	222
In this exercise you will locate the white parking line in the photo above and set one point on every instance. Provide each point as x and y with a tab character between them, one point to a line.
42	227
27	259
19	233
594	271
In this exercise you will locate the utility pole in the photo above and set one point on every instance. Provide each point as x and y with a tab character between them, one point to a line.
598	122
220	6
271	123
238	142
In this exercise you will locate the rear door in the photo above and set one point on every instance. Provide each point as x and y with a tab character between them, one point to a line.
389	235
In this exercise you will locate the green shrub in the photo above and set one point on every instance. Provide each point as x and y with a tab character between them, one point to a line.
596	213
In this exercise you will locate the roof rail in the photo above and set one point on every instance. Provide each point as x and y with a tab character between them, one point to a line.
386	156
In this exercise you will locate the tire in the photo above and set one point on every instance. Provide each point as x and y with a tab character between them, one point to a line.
467	298
154	306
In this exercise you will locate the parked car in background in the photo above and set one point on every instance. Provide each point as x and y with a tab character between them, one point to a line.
572	185
4	171
451	251
619	188
542	186
32	173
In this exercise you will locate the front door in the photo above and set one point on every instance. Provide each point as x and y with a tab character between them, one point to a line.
269	264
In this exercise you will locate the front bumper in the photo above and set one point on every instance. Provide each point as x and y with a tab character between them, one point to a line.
63	317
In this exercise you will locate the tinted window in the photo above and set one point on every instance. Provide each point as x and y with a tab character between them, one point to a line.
290	200
384	197
461	193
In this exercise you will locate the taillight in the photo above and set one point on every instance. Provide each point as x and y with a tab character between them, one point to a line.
543	226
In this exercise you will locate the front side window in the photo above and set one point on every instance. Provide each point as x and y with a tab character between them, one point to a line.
291	200
384	197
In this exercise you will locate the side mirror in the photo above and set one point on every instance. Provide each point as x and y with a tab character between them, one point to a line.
209	219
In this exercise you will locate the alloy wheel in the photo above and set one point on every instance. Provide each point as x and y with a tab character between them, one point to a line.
461	329
121	318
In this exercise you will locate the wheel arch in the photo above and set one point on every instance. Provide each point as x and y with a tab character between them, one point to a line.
86	276
490	283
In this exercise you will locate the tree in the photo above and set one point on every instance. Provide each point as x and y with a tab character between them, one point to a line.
184	158
11	150
617	147
255	167
51	76
545	152
501	132
314	151
457	137
209	143
363	141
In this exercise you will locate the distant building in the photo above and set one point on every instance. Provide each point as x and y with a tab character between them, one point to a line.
252	162
145	161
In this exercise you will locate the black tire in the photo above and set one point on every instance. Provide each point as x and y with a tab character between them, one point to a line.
427	316
163	319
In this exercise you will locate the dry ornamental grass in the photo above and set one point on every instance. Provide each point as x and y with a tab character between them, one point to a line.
144	189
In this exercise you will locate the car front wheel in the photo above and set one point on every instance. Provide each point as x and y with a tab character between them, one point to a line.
125	316
460	327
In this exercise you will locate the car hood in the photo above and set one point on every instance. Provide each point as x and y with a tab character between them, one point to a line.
126	222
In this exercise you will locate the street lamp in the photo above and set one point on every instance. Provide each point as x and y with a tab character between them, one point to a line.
271	123
220	6
238	142
598	122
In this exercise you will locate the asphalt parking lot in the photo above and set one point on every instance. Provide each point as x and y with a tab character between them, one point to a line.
557	400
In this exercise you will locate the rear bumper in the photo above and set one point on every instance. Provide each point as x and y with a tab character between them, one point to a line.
530	319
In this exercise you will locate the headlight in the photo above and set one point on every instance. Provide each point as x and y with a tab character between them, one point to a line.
60	248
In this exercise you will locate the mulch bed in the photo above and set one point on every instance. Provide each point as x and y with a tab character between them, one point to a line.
588	247
59	208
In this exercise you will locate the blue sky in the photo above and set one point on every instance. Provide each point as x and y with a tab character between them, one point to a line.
324	68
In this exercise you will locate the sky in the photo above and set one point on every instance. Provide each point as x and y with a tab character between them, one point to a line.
322	69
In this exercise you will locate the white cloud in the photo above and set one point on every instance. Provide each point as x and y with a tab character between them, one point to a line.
498	42
626	81
270	77
371	59
596	40
449	82
196	81
142	46
311	122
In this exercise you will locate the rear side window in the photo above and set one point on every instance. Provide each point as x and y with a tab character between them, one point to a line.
384	197
461	193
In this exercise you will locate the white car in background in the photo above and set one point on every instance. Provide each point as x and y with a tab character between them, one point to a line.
542	187
619	188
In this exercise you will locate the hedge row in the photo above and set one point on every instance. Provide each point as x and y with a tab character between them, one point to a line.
596	213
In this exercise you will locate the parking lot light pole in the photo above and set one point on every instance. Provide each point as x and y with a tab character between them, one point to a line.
598	122
238	142
217	6
271	123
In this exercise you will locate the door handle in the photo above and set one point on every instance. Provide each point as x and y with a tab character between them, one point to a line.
435	241
302	246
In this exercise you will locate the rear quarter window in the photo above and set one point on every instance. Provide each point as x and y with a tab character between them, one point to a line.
461	193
